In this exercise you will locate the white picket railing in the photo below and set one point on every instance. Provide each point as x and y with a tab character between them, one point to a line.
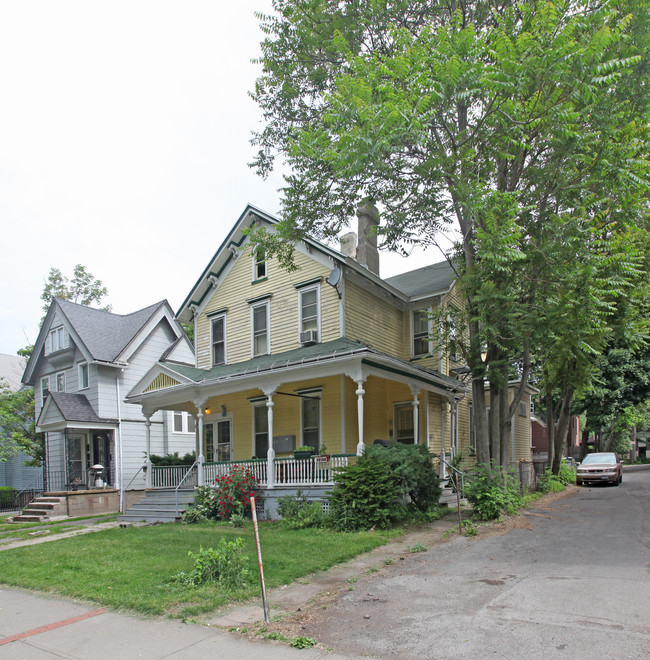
169	476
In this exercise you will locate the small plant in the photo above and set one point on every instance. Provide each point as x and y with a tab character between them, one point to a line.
303	642
298	512
417	547
353	579
193	515
492	491
226	565
469	529
388	562
372	569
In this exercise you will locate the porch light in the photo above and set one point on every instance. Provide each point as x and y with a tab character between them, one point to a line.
207	411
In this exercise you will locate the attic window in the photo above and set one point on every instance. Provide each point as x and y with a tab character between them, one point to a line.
56	339
259	264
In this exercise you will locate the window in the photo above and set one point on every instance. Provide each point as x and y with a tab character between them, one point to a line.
56	339
421	332
259	264
83	375
309	311
183	422
404	430
311	422
523	409
260	429
218	329
260	325
217	437
45	388
60	382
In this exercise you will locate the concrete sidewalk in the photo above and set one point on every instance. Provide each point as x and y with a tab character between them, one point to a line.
36	627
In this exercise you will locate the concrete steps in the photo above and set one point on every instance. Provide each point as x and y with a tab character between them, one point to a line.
159	506
43	508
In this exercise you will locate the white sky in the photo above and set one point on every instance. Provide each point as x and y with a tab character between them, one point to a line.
124	143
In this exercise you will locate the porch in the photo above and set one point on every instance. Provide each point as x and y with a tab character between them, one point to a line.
286	472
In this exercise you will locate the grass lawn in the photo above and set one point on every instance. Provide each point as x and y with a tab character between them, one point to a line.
131	568
18	531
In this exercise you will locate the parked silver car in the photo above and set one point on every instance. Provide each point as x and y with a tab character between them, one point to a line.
600	467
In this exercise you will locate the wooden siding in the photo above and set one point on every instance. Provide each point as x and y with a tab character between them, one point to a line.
237	288
161	382
374	321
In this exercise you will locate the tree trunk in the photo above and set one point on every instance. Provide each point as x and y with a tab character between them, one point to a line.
493	420
505	426
480	421
633	441
610	437
562	427
550	427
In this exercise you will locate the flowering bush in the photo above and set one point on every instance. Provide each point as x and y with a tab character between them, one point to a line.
232	492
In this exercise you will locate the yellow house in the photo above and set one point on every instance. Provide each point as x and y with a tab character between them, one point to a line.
329	356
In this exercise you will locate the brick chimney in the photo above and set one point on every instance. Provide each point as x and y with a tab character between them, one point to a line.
367	254
349	244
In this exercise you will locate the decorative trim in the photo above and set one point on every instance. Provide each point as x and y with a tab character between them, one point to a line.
216	312
252	301
313	280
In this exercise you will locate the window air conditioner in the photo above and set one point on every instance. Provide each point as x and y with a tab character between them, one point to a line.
308	337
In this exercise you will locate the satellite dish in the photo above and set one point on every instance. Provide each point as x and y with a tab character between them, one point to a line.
335	277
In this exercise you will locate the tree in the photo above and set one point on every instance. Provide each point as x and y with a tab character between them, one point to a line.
83	288
17	424
503	119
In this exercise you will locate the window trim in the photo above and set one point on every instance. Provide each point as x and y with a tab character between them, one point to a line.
312	394
83	366
258	402
301	291
429	337
222	318
45	390
402	404
265	304
185	422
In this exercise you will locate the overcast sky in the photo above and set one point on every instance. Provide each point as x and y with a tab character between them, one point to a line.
124	143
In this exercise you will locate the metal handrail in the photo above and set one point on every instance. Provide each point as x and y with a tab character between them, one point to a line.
134	478
187	474
454	469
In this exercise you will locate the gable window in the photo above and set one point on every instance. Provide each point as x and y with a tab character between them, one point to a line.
404	429
259	264
60	382
218	330
183	422
83	375
309	314
260	328
56	339
45	387
421	331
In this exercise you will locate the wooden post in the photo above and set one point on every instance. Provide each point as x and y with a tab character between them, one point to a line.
265	604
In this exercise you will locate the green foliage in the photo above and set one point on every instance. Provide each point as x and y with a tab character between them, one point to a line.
226	565
299	513
366	495
556	483
7	494
413	467
302	642
83	288
17	425
417	547
491	491
173	459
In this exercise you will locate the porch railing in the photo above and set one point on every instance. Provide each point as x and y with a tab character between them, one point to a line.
287	471
169	476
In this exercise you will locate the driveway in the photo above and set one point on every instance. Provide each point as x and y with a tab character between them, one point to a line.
572	583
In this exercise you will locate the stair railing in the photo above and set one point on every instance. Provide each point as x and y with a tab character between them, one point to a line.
459	476
187	474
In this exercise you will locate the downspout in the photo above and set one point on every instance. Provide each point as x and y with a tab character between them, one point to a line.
120	479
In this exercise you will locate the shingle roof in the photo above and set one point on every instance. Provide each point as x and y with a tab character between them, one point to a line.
105	334
11	369
433	279
77	408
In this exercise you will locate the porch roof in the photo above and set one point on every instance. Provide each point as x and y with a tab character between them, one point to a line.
307	357
64	409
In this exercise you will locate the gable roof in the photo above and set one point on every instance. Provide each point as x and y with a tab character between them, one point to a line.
71	408
11	369
101	336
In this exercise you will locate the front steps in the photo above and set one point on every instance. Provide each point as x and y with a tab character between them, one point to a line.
42	509
159	506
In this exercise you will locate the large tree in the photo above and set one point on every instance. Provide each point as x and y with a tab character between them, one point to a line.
83	288
502	119
17	424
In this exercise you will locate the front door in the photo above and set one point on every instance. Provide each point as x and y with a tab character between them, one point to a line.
218	440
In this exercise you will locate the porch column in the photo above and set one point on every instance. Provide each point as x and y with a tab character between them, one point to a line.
416	415
270	454
147	435
360	392
199	444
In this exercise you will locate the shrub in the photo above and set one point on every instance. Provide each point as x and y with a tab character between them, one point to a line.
233	492
365	495
226	565
173	459
556	483
299	513
7	495
491	491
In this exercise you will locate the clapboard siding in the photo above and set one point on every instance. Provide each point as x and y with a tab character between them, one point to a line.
237	288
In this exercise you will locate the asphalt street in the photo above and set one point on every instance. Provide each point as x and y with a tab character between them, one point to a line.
574	584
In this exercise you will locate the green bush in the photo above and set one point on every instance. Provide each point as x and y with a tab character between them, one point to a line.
299	513
173	459
7	495
556	483
491	491
226	565
365	495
